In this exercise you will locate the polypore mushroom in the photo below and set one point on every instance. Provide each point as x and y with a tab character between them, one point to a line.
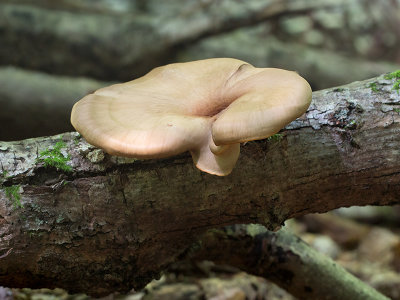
207	107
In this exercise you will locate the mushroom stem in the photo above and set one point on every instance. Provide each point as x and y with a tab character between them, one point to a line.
216	160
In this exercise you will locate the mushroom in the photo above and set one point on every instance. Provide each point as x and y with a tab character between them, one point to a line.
207	107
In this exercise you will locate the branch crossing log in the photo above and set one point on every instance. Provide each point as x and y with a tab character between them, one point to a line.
284	259
130	43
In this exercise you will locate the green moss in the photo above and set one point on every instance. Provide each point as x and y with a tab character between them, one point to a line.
396	86
275	137
394	75
397	110
351	125
53	158
373	87
12	193
77	138
3	176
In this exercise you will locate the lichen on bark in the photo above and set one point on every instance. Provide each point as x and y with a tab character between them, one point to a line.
118	222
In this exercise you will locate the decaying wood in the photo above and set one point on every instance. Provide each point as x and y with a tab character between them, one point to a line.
113	224
322	68
284	259
64	40
36	104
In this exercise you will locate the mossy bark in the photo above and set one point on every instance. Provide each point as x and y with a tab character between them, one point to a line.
284	259
113	223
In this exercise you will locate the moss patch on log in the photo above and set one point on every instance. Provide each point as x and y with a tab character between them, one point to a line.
394	75
54	158
12	193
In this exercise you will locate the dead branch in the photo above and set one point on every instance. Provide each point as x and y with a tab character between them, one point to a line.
129	43
284	259
112	224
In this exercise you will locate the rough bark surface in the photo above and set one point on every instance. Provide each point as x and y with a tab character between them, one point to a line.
130	42
321	67
36	104
112	224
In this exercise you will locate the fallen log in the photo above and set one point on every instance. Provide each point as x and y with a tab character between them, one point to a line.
37	104
74	217
130	42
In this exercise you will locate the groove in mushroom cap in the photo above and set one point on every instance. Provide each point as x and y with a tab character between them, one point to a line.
206	107
264	103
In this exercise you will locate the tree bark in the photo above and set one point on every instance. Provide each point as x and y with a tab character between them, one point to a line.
322	68
113	224
122	45
37	104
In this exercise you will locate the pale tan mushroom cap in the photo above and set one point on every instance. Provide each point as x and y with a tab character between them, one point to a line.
206	107
265	102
